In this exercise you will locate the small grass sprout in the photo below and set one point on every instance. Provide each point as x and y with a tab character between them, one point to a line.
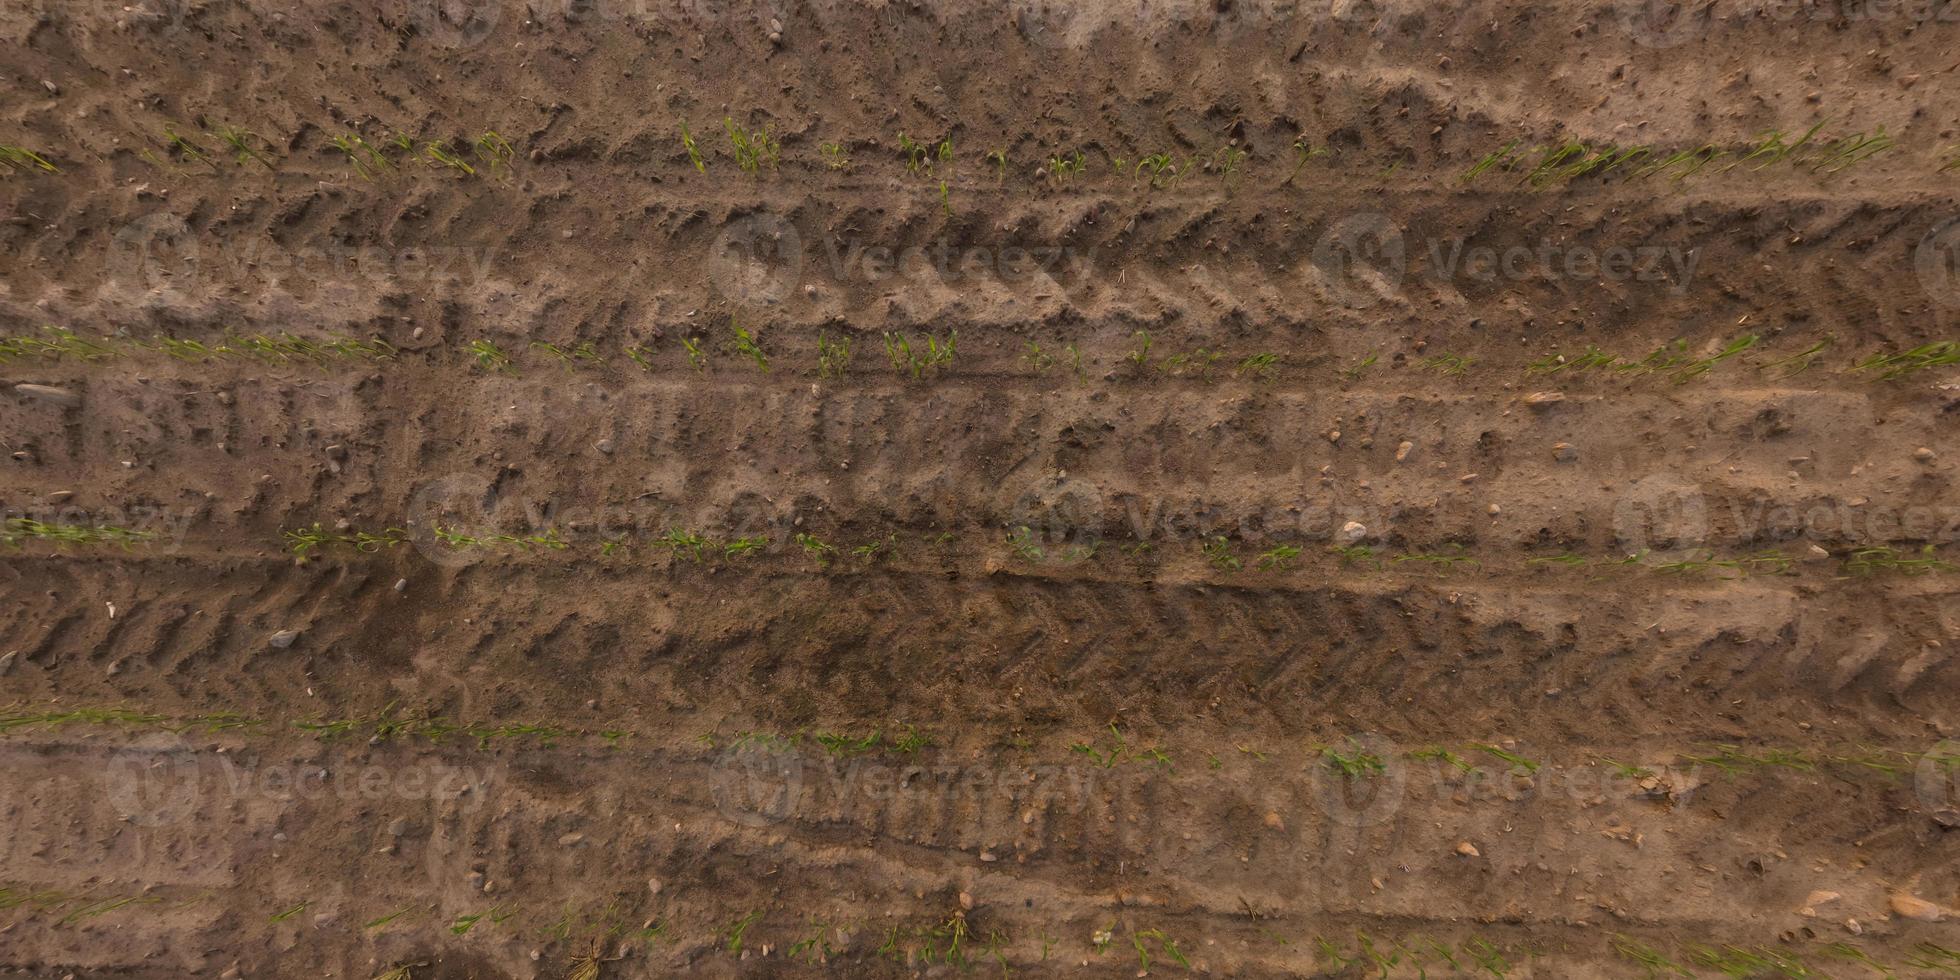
693	150
19	159
753	150
489	356
833	356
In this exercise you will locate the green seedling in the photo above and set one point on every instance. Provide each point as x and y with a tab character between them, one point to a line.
1556	363
1061	169
17	530
753	150
1499	158
495	152
1696	368
1518	763
184	149
1354	373
1303	152
1218	551
1450	364
999	160
1226	160
876	549
1443	755
1867	561
436	152
945	199
1164	942
1905	363
570	357
1356	554
1021	541
744	344
19	159
54	344
240	141
1038	360
1799	362
367	161
1163	169
1277	559
489	356
1648	958
683	543
1355	763
905	357
693	151
834	155
1443	561
1139	356
816	549
739	930
640	354
744	546
833	356
697	356
1260	366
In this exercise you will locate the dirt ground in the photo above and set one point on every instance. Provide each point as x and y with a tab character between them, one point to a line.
1056	489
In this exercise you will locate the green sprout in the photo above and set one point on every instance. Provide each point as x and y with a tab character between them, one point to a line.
489	356
753	150
693	151
834	156
744	344
833	356
240	141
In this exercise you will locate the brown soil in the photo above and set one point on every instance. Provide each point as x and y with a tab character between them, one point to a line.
225	759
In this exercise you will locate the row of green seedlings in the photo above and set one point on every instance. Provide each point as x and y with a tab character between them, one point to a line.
1351	759
16	532
71	907
907	357
1674	360
1354	761
285	348
901	740
1755	962
1564	162
385	726
1472	957
491	152
936	355
598	931
1219	551
488	154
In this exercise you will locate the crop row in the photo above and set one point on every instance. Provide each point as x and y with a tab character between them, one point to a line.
384	154
932	355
